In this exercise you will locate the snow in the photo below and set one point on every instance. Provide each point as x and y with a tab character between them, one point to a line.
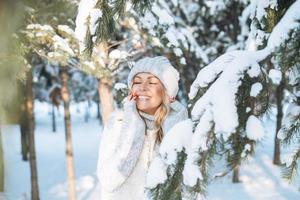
260	179
182	61
215	6
90	64
247	149
178	52
66	29
157	173
149	21
191	172
163	16
40	27
95	14
275	75
227	70
287	158
174	142
50	155
254	128
293	76
60	43
254	70
289	21
262	5
177	139
163	24
120	86
84	8
118	54
172	36
292	112
255	89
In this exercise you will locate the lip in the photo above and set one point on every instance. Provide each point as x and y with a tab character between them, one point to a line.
143	97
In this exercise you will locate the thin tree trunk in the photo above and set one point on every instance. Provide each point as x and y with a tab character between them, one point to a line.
32	155
104	85
87	111
106	98
53	119
235	177
1	164
279	98
98	109
24	130
69	152
24	142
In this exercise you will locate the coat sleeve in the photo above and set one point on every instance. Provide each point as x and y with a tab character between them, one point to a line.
108	175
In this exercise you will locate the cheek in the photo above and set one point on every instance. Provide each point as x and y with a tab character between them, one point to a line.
158	94
134	87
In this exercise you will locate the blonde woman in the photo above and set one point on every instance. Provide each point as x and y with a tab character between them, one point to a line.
132	136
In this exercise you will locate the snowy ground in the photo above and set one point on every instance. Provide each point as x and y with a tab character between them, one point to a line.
260	178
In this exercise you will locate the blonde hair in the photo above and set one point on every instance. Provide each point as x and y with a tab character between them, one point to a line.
159	116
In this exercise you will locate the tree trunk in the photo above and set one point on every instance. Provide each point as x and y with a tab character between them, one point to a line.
87	111
69	152
32	155
279	98
98	109
53	119
24	142
106	98
235	177
24	130
1	164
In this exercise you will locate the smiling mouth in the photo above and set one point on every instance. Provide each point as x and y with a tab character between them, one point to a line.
141	97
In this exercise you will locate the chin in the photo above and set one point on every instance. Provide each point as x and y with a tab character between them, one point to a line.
142	108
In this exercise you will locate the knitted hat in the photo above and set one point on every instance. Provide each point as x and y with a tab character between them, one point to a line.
160	67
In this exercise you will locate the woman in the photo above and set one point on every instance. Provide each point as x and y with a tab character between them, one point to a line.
131	137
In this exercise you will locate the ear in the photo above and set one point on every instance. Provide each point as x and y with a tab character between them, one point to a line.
171	99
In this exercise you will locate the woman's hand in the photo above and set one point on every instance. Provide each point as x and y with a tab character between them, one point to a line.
132	96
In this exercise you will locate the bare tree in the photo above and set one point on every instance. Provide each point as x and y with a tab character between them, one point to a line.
69	151
32	155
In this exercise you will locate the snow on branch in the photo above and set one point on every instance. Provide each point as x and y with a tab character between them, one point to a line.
167	27
288	22
227	71
216	110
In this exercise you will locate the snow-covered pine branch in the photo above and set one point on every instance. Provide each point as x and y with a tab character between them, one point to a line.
216	111
171	30
230	86
58	49
226	114
165	172
287	62
97	20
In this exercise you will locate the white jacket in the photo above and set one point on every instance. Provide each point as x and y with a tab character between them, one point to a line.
122	143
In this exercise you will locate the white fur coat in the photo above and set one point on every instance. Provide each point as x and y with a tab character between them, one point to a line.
122	142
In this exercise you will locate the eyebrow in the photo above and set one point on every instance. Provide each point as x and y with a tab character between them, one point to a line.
147	78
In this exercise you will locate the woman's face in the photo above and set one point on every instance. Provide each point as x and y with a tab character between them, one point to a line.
149	91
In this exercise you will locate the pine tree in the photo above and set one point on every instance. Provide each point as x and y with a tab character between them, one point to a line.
67	118
11	66
244	88
32	154
105	26
289	133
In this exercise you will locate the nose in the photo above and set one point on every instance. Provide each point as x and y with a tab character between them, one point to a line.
143	87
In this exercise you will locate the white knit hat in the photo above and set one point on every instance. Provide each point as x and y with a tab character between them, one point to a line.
160	67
